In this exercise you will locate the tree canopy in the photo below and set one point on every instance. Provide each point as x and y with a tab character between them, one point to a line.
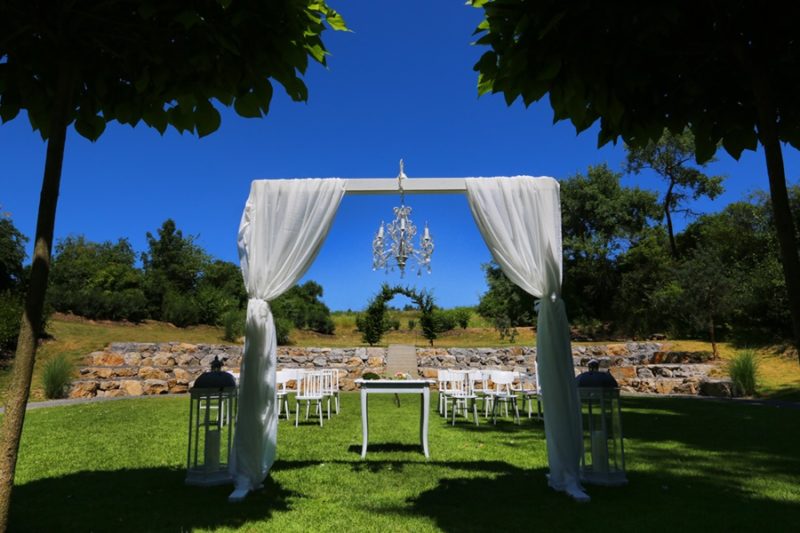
161	62
12	254
728	71
669	157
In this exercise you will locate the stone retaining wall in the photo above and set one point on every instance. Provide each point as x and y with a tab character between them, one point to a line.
134	369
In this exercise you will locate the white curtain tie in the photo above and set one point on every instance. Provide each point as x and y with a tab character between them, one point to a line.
260	307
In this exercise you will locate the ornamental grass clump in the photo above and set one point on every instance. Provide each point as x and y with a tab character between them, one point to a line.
57	376
743	370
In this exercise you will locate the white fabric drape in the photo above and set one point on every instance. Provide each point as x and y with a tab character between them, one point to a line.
520	220
282	229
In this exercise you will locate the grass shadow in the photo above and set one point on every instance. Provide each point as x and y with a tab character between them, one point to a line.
148	499
519	500
386	447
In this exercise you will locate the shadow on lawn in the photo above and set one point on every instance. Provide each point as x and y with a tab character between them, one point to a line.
519	500
148	499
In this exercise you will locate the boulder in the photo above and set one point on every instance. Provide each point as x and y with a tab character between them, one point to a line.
155	386
149	372
181	374
108	359
83	389
163	359
617	349
718	388
131	387
623	373
133	358
430	373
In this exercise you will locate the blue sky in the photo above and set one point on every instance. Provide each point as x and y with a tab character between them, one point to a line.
400	85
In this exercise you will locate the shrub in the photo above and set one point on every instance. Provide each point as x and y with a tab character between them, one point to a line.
394	324
443	320
180	310
320	320
282	328
462	315
10	314
233	322
214	305
743	370
57	376
411	325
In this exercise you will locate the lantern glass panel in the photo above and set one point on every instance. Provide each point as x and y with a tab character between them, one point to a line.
212	417
603	460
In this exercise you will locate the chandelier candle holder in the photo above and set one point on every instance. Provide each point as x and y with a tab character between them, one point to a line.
394	242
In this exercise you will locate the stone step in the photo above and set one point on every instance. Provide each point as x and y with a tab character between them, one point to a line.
401	358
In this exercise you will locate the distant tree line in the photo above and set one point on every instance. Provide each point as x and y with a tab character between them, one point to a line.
177	282
627	273
12	281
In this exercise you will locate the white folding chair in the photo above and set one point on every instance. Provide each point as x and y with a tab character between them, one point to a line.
462	396
282	377
330	388
443	379
309	390
479	385
530	391
503	394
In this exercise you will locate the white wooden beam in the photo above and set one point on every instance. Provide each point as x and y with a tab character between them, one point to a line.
410	186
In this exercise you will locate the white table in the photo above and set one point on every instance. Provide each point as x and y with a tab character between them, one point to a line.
396	386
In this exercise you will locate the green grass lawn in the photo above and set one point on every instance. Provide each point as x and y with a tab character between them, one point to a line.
693	465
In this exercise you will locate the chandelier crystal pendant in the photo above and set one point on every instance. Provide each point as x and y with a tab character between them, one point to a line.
393	243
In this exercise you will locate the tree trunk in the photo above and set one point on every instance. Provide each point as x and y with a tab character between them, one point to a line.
667	202
711	328
22	370
784	225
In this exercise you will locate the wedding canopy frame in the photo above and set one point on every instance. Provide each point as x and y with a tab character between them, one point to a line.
285	222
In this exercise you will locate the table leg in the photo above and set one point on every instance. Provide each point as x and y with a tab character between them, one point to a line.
426	394
364	423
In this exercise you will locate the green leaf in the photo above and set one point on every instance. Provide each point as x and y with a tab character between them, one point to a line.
188	18
156	118
8	112
335	20
142	81
207	118
247	106
90	127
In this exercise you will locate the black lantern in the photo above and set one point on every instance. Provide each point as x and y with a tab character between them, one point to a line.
212	415
603	459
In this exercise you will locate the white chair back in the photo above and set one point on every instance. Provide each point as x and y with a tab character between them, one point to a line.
282	377
310	385
503	380
330	381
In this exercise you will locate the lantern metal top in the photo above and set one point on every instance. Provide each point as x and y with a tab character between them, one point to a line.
216	378
596	379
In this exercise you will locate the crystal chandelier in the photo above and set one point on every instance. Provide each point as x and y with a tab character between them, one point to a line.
394	241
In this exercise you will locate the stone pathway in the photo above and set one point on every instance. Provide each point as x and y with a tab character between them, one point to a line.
401	358
74	401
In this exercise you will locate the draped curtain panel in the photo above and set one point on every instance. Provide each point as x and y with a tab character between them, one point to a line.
520	220
283	227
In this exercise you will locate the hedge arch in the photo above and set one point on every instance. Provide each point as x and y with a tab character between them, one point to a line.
374	322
